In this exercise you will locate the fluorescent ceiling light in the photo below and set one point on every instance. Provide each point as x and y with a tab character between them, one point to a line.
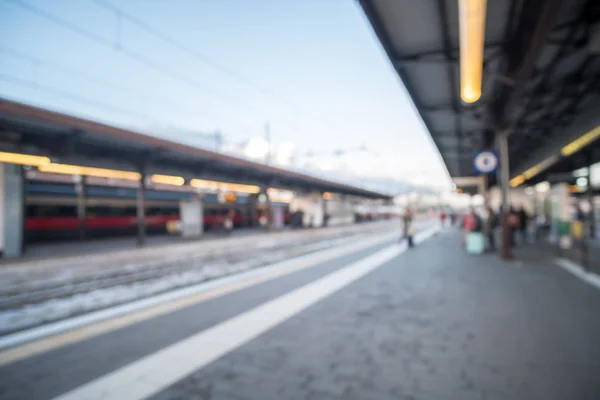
471	17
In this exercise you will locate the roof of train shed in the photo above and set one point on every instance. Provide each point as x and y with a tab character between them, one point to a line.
541	76
32	130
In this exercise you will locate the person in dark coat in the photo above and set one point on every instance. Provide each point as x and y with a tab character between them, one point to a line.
407	228
523	220
489	228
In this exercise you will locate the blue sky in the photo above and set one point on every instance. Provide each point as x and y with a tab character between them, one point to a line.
312	69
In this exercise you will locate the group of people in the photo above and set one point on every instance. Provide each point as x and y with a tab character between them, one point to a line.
486	224
452	215
518	221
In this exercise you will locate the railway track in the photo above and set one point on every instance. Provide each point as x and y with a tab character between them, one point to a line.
14	300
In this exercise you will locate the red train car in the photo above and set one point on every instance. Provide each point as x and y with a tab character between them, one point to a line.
51	211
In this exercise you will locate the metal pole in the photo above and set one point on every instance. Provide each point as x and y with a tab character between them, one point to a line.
590	196
324	208
269	210
585	237
504	174
12	189
141	211
80	185
24	209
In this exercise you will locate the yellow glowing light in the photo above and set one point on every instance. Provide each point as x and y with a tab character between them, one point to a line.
224	186
327	196
536	169
230	197
90	171
581	142
533	171
517	180
471	17
168	180
23	159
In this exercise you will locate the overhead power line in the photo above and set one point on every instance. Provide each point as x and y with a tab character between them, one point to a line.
66	95
125	51
216	137
142	59
74	73
121	14
124	89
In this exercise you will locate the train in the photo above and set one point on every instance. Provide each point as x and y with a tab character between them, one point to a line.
51	211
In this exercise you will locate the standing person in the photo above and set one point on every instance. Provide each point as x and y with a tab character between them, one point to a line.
407	233
539	222
579	214
523	219
263	220
489	228
443	217
466	227
472	224
513	225
228	222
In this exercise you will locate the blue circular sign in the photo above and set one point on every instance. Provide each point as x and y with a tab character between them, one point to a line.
485	162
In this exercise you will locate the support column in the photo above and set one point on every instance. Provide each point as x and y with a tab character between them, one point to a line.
324	209
504	175
141	211
484	192
269	210
590	196
253	204
80	188
191	217
12	213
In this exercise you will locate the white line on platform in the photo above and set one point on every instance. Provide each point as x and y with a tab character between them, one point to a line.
48	337
149	375
579	271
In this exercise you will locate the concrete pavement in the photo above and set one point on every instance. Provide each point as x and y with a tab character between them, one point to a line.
431	323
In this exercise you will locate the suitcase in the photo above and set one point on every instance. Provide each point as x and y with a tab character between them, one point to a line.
475	243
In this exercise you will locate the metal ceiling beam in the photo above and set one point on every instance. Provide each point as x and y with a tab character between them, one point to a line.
437	107
440	55
511	20
405	61
585	121
554	120
454	89
546	72
535	23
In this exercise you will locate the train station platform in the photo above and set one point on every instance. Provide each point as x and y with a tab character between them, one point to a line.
371	322
586	257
